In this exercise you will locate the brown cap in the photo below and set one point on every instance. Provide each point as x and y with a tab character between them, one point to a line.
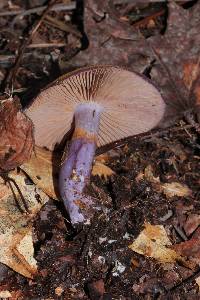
131	105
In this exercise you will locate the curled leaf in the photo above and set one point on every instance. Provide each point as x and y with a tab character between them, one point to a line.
16	129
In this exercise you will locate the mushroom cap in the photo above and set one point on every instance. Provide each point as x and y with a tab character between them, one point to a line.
131	104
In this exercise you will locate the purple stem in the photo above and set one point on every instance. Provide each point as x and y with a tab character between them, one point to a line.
75	171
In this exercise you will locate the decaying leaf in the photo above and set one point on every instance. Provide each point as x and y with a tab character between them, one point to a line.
5	294
177	71
16	142
111	40
191	224
198	282
16	247
102	170
43	169
154	242
176	189
190	248
169	189
148	175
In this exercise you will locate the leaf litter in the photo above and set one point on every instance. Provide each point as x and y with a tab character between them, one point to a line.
16	223
141	181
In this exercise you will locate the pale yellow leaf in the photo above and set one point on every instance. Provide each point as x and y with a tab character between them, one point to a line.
5	294
198	282
149	175
16	246
43	169
176	189
154	242
102	170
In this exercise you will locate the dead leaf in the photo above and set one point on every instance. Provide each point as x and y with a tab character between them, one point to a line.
191	224
43	168
5	294
177	71
102	170
16	246
111	40
176	189
169	189
198	282
179	151
16	142
190	248
154	242
148	174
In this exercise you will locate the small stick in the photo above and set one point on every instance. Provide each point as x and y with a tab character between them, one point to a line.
180	233
10	59
47	45
146	20
35	10
11	76
62	26
164	131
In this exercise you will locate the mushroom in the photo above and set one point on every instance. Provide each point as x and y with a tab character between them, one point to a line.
107	104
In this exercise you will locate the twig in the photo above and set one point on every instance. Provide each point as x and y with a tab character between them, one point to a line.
11	76
47	45
35	10
180	233
146	20
190	119
148	137
10	59
62	26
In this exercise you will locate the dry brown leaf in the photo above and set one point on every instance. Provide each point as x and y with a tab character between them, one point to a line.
191	224
102	170
43	168
190	248
177	70
176	189
16	247
111	40
16	130
154	242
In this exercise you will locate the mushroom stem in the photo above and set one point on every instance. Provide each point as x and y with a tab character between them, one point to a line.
75	170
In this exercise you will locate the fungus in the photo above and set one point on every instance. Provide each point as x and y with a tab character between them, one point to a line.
107	104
